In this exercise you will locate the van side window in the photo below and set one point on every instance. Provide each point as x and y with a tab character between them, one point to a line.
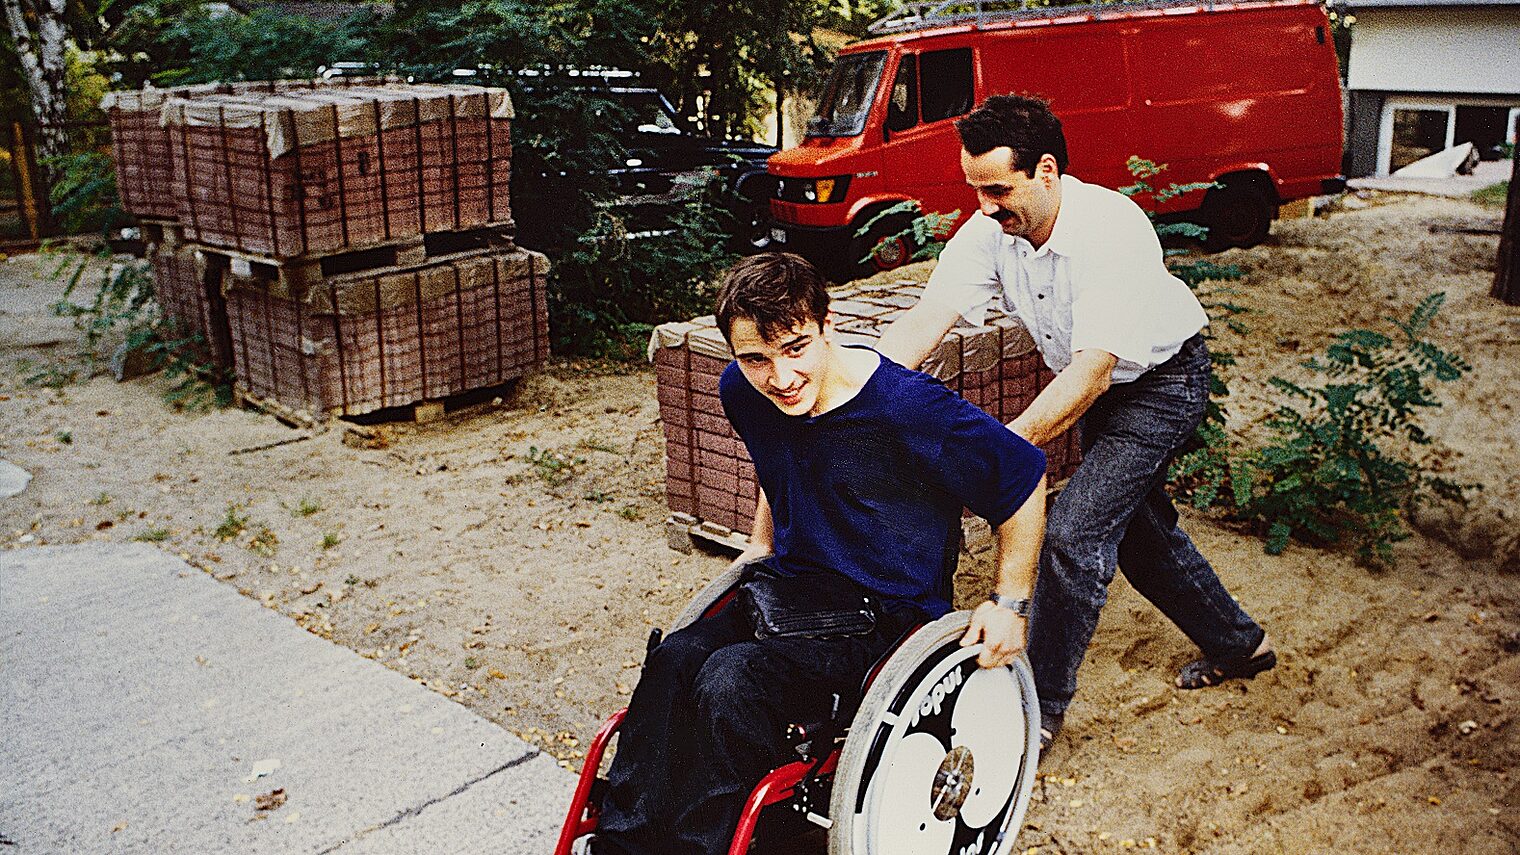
947	89
903	110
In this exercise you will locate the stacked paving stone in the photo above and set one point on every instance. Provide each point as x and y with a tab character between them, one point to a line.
710	481
343	247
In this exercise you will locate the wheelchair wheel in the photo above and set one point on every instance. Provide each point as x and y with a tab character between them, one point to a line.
706	596
941	755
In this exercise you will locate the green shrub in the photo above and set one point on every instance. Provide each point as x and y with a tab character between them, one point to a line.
1340	466
926	233
82	192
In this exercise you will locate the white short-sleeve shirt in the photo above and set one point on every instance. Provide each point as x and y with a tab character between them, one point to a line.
1098	283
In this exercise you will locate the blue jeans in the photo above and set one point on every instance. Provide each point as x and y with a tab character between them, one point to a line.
708	721
1115	513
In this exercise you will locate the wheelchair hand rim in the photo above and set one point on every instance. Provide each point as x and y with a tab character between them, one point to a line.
922	752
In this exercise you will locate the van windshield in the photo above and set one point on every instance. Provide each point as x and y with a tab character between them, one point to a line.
847	96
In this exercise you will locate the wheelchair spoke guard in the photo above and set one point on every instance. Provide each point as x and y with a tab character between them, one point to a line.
941	756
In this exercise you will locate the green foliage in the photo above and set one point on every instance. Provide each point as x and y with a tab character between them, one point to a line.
306	507
927	233
266	44
611	289
122	298
329	540
1492	196
152	534
234	521
1340	465
553	467
82	192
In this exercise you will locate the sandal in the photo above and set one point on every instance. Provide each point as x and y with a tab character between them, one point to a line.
1050	727
1204	672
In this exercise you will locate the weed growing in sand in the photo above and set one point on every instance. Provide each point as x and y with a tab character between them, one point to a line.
65	437
553	467
329	540
1341	463
264	541
51	377
153	534
102	499
233	523
123	299
632	513
306	507
1492	196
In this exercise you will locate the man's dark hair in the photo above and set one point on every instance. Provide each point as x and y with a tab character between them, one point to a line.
778	291
1022	123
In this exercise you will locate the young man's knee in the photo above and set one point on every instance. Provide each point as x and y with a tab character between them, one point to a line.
730	680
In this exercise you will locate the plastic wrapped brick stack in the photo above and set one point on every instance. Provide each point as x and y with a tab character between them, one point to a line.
141	141
710	480
359	342
347	247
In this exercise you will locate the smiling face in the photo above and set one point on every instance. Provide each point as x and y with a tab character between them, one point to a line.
1024	206
792	368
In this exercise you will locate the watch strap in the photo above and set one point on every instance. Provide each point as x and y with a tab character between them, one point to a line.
1019	606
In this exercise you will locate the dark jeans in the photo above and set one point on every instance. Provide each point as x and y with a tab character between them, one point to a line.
1115	512
708	721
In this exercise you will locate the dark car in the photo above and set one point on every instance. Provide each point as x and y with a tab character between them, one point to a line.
664	163
667	163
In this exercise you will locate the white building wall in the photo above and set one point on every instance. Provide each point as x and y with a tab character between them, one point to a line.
1459	50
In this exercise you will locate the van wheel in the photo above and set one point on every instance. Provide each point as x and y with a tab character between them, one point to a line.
884	247
1240	214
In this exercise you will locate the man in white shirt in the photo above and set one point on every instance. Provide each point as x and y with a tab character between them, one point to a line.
1081	266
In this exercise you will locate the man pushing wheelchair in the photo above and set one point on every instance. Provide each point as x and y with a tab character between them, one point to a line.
864	468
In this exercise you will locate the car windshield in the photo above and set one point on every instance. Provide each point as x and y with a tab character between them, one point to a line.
650	112
847	96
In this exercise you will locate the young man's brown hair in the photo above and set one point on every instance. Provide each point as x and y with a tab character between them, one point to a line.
779	291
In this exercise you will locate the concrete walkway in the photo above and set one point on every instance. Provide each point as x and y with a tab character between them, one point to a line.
1487	173
138	696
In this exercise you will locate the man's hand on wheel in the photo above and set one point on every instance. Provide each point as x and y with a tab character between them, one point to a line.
1000	630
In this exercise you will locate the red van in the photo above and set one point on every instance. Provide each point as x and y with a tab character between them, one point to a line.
1245	93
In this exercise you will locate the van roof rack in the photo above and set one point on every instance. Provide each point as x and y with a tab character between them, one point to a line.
923	14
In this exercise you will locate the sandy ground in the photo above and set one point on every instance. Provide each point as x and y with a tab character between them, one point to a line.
512	556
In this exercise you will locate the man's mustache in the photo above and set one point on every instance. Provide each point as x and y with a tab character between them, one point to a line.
1001	215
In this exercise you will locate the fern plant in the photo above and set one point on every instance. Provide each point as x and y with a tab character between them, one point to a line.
1338	466
926	232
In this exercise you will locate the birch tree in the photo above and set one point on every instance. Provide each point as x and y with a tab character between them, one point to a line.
37	30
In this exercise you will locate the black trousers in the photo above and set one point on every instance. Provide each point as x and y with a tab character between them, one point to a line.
708	721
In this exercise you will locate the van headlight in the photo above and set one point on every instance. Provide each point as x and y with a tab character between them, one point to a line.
819	191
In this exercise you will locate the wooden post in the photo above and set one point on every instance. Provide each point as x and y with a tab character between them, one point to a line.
1507	277
26	182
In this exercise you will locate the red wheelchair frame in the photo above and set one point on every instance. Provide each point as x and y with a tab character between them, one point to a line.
799	786
785	783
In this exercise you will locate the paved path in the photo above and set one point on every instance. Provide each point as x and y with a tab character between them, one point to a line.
1488	173
137	695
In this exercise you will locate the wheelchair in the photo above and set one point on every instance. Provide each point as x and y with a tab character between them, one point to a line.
939	758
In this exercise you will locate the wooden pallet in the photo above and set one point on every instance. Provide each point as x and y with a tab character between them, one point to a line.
683	530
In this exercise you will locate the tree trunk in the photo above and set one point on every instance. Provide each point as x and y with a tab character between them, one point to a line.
1507	277
38	31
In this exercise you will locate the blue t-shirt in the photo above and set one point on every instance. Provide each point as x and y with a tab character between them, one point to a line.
874	488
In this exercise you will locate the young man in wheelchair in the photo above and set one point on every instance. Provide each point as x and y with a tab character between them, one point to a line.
864	467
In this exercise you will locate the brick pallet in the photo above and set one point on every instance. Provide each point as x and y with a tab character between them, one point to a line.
181	289
141	143
365	341
321	171
710	482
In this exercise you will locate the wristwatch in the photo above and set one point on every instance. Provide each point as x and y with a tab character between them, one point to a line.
1020	606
